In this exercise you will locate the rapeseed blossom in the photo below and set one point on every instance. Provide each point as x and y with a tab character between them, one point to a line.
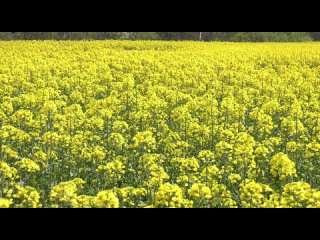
134	124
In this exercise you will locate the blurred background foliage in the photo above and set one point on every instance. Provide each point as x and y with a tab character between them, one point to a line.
204	36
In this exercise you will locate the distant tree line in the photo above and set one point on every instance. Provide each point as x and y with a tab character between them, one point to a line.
198	36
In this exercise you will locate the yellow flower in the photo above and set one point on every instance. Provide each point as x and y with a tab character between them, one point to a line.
200	191
26	197
28	165
112	169
7	172
65	194
253	194
234	178
171	196
282	166
144	140
106	199
4	203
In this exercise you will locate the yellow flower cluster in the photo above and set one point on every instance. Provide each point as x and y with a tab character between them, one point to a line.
171	195
4	203
112	168
7	172
282	166
65	193
108	124
200	191
27	165
254	194
130	196
106	199
27	197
